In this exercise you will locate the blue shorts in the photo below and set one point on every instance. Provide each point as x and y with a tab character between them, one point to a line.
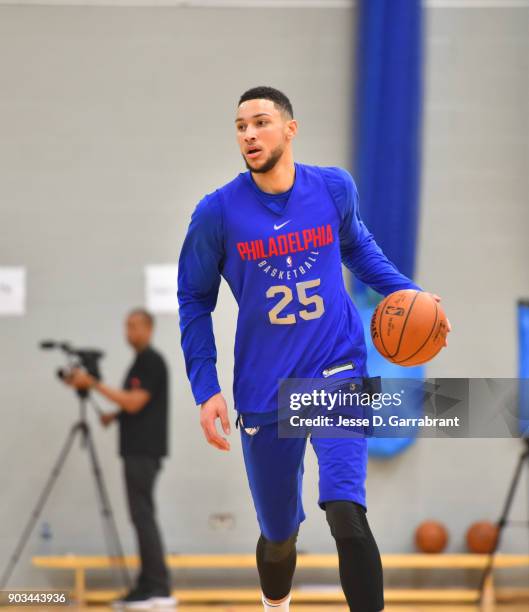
274	467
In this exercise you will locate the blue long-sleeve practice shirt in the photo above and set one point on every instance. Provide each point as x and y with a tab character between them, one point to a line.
281	257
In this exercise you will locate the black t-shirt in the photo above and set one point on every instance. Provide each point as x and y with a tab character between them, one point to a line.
145	432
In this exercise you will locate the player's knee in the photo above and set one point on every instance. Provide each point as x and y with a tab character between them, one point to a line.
275	552
276	562
347	520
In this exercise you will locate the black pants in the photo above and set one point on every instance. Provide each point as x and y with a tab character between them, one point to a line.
140	475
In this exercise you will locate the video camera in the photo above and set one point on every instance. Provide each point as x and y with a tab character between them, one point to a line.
77	358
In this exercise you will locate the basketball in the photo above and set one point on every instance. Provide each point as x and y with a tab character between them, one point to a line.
431	537
481	537
409	327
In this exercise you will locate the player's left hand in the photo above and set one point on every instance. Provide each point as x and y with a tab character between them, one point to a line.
437	298
80	379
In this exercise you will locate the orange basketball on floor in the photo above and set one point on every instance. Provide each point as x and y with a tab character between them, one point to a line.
409	327
481	537
431	537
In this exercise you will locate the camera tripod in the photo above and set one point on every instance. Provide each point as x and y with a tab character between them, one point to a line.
502	522
115	552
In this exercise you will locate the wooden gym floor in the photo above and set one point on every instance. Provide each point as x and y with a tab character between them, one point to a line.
333	608
522	607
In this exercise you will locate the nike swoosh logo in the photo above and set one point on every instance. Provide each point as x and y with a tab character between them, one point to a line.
276	227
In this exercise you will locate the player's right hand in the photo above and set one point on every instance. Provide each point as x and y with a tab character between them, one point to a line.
211	410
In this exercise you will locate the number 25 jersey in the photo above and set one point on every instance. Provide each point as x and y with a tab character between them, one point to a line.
283	266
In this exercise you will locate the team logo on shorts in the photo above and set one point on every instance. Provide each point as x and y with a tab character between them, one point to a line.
251	431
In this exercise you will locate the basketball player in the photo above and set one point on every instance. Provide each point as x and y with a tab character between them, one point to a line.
278	235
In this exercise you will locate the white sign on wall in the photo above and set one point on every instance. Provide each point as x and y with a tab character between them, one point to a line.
161	285
12	290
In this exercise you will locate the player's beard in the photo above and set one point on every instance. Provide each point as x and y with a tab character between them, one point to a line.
272	160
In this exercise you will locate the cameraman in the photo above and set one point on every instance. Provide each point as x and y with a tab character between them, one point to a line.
142	416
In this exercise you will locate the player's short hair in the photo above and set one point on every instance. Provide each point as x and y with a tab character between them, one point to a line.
145	314
279	99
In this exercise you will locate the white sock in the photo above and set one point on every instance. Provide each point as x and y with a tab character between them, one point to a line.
278	607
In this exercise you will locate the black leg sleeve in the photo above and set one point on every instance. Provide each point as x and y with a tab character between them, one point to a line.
276	562
359	559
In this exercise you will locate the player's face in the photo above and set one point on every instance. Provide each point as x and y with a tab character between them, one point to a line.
138	331
263	133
